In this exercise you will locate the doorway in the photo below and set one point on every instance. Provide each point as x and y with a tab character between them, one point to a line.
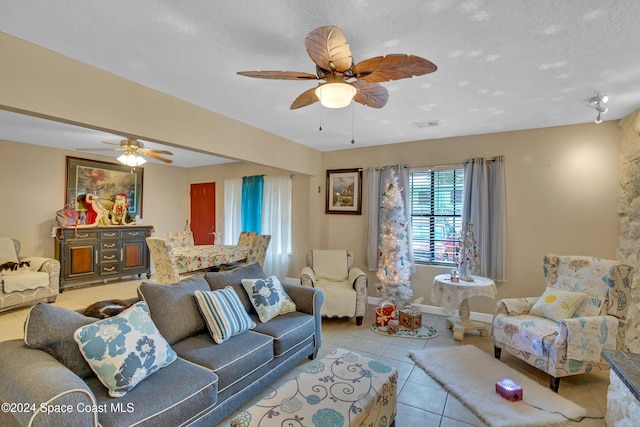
203	213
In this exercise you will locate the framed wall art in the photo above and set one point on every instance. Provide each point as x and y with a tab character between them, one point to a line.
344	191
104	181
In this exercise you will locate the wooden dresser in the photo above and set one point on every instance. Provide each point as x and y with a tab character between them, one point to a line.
101	253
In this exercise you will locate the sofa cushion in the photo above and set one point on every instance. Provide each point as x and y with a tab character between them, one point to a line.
232	361
556	304
176	298
288	330
268	298
223	313
20	281
233	278
330	265
50	328
125	349
156	401
7	250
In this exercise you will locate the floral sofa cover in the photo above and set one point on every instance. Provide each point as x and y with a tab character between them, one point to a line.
573	345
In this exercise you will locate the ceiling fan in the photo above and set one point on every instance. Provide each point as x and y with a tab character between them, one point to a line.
133	152
344	81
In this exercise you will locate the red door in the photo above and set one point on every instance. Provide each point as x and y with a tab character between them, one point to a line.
203	212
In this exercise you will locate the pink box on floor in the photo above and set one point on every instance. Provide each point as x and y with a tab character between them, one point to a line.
508	389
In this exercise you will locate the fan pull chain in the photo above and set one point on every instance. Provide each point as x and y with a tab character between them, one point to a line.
353	114
320	128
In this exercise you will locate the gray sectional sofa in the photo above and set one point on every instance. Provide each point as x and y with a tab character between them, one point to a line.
47	382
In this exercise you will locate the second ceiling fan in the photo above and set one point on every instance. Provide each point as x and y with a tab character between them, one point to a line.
344	81
132	151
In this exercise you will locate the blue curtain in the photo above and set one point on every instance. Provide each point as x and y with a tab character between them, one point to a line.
252	203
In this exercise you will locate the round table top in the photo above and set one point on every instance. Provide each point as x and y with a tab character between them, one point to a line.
448	294
477	280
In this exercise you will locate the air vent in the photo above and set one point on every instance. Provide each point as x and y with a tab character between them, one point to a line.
426	124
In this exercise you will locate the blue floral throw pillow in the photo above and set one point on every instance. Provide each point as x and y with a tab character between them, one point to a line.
125	349
223	313
268	297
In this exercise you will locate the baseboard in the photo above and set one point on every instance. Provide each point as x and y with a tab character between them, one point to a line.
430	309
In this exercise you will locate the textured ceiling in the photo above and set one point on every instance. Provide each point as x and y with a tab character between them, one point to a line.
502	64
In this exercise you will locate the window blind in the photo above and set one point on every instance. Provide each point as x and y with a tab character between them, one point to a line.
436	214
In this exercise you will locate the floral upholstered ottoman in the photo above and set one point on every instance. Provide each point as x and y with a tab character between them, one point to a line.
341	389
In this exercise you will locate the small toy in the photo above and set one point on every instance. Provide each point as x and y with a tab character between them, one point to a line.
508	389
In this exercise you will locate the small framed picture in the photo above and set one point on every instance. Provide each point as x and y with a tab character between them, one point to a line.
344	191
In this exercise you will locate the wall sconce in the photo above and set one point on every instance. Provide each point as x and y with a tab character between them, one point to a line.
596	103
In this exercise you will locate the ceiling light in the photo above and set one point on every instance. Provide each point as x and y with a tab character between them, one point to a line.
599	99
596	102
131	159
335	95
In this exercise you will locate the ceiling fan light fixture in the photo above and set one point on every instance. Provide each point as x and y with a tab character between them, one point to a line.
131	159
335	95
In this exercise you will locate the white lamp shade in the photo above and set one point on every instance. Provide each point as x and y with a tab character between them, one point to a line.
335	95
131	160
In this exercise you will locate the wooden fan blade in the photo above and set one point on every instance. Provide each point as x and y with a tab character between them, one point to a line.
279	75
155	156
149	150
111	143
100	149
370	94
392	67
305	99
328	48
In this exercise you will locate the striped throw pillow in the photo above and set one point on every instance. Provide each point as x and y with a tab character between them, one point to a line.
223	313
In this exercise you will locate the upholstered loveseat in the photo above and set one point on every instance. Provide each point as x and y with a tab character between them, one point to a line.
39	281
49	383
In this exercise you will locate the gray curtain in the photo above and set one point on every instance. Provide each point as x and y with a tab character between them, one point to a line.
375	178
484	205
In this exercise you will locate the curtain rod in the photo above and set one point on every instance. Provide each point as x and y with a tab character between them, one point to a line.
437	165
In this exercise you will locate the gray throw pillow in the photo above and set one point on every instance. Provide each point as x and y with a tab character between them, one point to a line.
50	329
233	278
173	308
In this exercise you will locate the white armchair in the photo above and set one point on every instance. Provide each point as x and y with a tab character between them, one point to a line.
564	332
344	286
37	282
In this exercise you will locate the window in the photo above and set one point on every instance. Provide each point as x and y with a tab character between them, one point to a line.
436	214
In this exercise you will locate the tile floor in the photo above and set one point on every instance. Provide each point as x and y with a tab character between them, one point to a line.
421	402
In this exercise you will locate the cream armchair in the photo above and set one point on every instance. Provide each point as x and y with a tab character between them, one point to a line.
344	286
582	311
27	285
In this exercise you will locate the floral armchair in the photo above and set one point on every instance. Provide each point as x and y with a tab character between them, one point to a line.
344	286
563	332
38	281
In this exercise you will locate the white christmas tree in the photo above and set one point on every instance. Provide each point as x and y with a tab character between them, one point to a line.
394	268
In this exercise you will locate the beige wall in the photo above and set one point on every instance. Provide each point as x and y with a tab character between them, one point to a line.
33	188
562	186
562	195
40	82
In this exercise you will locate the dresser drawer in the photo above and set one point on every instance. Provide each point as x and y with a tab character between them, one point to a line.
134	234
108	256
108	268
109	234
80	235
107	245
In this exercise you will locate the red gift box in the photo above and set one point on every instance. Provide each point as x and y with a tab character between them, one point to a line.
385	312
508	389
